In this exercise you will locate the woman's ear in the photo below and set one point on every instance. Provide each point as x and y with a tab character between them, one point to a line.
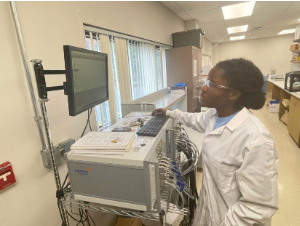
234	95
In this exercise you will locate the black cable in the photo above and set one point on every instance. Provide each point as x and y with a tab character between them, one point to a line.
80	214
88	221
65	180
67	187
90	121
79	221
84	216
87	122
92	220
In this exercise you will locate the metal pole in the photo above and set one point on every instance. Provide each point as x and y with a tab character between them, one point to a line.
53	161
36	111
37	117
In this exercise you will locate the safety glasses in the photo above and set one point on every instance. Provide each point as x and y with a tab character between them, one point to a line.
212	85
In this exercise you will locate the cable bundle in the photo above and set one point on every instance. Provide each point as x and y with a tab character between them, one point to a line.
66	188
187	165
170	174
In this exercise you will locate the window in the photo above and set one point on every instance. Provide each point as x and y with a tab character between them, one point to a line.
102	110
115	71
143	68
158	68
146	61
137	82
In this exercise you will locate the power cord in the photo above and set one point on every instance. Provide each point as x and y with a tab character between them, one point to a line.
66	188
87	122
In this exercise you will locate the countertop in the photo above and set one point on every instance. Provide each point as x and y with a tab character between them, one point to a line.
280	84
166	100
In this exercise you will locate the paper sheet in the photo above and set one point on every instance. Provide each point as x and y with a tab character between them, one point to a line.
97	152
105	140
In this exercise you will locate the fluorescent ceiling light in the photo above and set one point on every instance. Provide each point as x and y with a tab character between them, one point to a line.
289	31
237	29
238	10
299	20
237	38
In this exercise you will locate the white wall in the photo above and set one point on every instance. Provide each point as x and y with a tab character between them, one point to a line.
207	47
266	53
46	27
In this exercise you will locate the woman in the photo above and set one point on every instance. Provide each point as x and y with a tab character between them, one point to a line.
239	185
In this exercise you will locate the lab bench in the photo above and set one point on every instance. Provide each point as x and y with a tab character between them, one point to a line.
275	90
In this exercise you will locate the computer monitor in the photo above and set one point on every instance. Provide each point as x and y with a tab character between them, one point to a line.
87	78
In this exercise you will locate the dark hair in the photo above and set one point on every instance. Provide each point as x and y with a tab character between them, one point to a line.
243	75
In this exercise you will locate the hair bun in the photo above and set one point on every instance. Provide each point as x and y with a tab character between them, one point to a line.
254	99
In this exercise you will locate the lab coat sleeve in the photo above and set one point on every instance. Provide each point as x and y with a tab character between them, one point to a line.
197	121
257	181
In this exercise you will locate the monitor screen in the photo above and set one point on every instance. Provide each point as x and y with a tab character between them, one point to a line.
87	78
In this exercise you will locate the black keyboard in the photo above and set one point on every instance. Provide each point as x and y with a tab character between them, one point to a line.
153	126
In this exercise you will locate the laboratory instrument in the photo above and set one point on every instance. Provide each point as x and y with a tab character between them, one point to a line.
81	64
292	81
147	182
153	126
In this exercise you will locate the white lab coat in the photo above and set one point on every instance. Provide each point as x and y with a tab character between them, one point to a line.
239	160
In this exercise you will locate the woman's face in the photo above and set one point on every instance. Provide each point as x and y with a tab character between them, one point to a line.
215	97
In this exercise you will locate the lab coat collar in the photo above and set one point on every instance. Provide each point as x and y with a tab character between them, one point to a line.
238	119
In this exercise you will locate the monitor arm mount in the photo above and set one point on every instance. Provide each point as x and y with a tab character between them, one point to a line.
41	82
43	98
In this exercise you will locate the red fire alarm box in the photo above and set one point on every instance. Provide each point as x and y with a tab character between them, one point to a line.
7	176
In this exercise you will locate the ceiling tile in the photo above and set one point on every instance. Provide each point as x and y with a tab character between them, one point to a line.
227	39
275	30
253	36
209	38
294	5
174	7
213	26
218	38
280	23
197	6
208	16
256	32
259	24
226	3
261	18
217	32
290	14
238	21
268	35
186	17
271	6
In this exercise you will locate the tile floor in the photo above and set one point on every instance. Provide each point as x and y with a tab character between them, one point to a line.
288	171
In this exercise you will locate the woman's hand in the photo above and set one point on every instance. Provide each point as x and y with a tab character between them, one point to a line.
159	111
